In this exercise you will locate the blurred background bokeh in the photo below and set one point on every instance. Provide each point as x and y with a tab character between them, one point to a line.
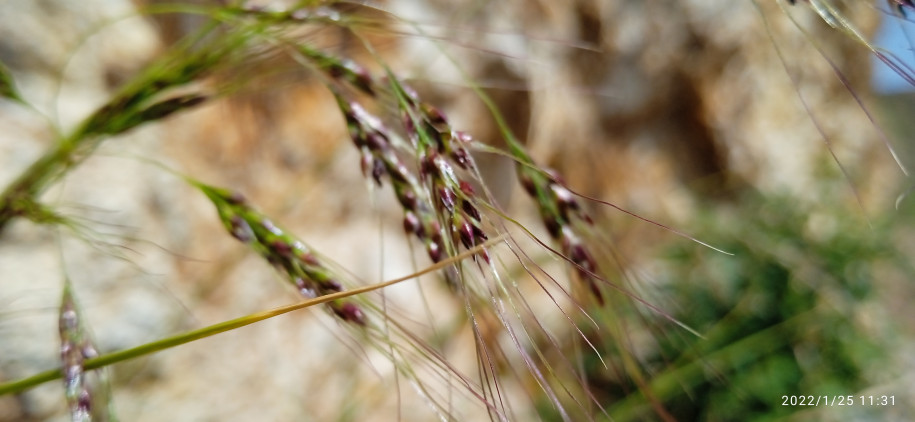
751	125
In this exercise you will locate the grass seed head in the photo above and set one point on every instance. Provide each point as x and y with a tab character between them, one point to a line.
75	349
290	256
341	69
349	312
557	206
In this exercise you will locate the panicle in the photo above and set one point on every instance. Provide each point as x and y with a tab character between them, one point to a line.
83	397
380	158
439	146
454	199
437	198
433	130
286	253
558	206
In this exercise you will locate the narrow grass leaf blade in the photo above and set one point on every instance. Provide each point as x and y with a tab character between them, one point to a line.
209	331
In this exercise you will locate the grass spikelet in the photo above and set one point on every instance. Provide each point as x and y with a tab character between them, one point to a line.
87	400
454	196
287	254
557	207
445	201
111	119
379	158
439	146
510	340
140	101
340	69
405	350
433	137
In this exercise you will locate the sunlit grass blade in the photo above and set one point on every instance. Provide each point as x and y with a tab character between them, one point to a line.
212	330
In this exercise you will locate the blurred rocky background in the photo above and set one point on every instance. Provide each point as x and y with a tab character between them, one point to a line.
727	120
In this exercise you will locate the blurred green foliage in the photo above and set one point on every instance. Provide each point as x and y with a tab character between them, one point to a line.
787	314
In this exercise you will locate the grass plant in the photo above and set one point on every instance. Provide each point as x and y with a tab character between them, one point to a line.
724	328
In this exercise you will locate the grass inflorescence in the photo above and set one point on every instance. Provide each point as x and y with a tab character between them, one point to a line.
86	392
524	366
291	256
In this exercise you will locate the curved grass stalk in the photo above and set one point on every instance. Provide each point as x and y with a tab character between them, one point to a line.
318	276
441	187
212	330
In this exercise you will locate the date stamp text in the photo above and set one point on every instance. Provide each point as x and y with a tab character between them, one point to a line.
835	400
